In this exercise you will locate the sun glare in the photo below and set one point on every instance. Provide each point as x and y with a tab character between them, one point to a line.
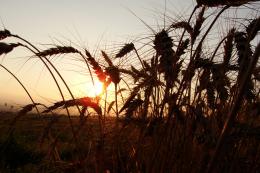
96	90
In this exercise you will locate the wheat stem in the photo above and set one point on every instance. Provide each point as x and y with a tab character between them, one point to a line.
235	108
91	75
117	114
27	92
182	84
17	36
55	80
138	56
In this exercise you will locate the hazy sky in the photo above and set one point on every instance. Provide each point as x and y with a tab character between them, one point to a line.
40	20
92	24
96	24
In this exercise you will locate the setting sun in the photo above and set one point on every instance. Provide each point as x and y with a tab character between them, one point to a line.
95	90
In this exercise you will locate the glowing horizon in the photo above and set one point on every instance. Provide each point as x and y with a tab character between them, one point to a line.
98	25
83	24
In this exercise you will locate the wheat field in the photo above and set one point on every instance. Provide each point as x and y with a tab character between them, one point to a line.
183	101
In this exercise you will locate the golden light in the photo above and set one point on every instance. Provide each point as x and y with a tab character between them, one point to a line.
95	90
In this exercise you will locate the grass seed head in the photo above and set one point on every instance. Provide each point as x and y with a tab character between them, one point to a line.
107	59
125	50
88	54
7	48
96	67
184	25
27	108
58	50
4	34
162	42
84	102
114	74
228	47
90	102
243	49
196	29
182	47
55	106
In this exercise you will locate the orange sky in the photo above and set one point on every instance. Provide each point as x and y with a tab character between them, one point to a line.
95	25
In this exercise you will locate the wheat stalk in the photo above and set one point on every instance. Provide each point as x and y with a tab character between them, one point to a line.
235	107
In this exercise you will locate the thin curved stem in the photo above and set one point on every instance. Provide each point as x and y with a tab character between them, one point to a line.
117	114
208	30
182	84
56	82
219	44
235	108
27	92
138	56
88	68
72	96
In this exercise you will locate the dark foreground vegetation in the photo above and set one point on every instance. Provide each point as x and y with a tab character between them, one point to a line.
188	104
